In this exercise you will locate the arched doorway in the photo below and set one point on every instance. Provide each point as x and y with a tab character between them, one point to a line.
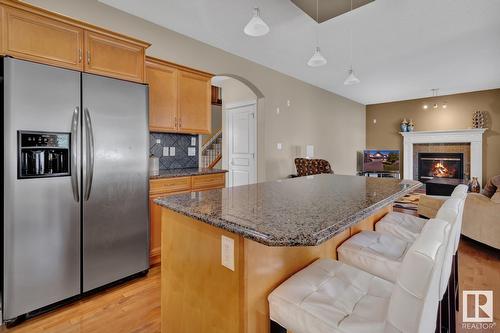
233	143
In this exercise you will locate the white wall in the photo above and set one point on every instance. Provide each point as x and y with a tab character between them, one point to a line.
333	124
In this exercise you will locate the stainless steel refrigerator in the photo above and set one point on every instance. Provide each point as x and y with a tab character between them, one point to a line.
75	184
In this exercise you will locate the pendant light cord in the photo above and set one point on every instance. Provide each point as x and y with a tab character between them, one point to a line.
317	22
350	37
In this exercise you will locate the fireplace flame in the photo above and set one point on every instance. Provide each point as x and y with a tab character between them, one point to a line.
439	170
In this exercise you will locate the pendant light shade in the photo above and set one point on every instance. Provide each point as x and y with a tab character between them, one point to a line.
317	59
256	27
351	79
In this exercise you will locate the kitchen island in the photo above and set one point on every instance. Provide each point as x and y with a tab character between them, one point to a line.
268	231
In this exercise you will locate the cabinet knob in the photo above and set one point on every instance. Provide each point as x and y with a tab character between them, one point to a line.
79	55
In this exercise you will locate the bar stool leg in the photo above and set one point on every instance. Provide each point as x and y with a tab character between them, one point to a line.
276	328
439	319
456	291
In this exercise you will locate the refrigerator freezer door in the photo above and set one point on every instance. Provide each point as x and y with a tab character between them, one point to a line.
115	180
41	217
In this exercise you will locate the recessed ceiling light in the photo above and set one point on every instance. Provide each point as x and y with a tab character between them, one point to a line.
256	27
445	106
425	107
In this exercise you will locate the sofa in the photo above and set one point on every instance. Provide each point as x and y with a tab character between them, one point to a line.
481	219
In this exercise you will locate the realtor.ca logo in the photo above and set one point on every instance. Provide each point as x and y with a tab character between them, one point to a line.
477	309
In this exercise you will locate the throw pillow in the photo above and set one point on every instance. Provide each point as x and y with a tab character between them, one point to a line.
491	186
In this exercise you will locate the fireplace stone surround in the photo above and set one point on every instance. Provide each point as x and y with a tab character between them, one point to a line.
467	141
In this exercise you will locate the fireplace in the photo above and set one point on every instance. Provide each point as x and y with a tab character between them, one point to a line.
440	165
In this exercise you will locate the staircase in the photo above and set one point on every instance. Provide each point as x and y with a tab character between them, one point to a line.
211	152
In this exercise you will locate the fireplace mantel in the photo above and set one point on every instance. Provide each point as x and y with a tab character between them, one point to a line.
473	136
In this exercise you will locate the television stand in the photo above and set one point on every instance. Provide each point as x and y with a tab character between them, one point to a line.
380	174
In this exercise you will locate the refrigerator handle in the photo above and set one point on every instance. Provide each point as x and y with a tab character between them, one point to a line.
90	154
74	154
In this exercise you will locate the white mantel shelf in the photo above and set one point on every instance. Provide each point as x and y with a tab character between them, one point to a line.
474	136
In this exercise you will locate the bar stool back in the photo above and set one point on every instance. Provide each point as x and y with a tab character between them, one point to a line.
414	301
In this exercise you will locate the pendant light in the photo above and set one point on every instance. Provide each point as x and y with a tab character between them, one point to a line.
256	27
351	78
317	58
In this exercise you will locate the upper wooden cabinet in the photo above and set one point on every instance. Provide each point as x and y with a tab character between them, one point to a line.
114	57
194	103
35	34
162	80
179	98
33	37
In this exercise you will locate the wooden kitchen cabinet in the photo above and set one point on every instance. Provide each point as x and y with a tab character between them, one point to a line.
194	103
35	34
211	181
179	98
162	80
169	186
109	56
33	37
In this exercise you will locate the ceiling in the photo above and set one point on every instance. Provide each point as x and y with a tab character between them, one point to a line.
323	10
401	48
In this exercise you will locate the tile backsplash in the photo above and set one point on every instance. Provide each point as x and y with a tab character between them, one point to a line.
181	143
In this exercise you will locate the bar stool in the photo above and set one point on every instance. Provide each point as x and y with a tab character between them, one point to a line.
382	254
369	251
330	296
407	226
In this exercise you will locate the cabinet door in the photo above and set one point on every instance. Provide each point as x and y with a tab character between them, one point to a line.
108	56
162	80
37	38
194	103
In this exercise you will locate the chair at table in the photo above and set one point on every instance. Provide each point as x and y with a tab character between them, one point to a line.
307	167
330	296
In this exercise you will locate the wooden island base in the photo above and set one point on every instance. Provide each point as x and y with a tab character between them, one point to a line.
198	294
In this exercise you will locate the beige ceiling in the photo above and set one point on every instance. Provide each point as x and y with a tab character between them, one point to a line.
328	9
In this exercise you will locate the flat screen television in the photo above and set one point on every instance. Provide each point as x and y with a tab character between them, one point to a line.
378	161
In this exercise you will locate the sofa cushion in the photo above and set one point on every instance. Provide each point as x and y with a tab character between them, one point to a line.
496	197
491	186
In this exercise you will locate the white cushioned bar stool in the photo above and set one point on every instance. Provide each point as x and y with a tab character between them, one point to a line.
331	297
407	226
382	254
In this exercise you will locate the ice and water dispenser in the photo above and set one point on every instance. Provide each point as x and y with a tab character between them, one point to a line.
43	154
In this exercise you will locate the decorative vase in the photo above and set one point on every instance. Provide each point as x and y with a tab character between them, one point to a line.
474	185
411	126
404	126
478	119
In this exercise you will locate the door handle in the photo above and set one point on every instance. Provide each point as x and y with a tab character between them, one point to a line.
79	55
74	154
88	57
90	154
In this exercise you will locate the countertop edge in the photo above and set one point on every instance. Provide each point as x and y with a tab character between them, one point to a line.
316	239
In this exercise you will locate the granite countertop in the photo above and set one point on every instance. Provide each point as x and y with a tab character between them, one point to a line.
186	172
304	211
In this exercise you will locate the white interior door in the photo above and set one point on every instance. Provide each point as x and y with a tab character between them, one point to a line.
242	142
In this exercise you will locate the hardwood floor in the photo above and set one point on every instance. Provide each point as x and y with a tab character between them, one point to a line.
135	306
479	269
